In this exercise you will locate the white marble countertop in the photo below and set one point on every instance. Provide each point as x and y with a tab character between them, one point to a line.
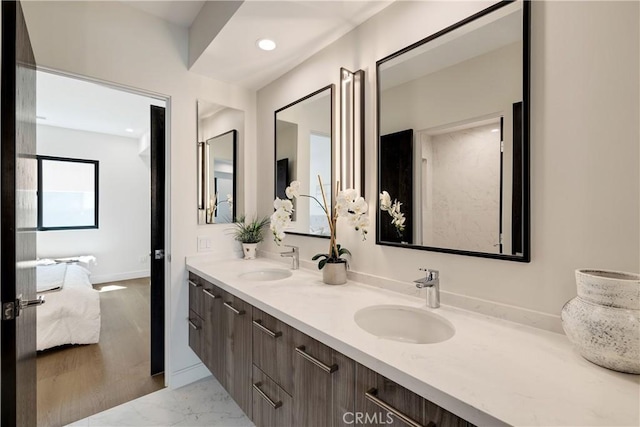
492	372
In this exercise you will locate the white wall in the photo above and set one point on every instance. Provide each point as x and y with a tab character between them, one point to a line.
116	43
584	148
121	243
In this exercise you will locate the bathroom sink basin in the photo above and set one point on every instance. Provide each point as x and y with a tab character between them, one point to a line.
266	274
404	324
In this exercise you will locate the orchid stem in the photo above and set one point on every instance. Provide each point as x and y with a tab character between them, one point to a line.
332	223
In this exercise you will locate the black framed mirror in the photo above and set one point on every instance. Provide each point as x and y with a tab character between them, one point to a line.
453	138
221	133
304	150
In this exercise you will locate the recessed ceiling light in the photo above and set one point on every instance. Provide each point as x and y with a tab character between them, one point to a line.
266	44
129	130
495	130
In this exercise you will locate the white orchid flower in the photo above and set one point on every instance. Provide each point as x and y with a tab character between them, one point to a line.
385	201
293	190
283	204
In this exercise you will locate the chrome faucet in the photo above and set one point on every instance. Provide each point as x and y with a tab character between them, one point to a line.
294	253
432	283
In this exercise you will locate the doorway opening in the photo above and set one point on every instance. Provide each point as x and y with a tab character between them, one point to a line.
100	334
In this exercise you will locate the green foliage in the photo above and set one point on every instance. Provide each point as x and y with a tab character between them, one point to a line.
249	231
331	258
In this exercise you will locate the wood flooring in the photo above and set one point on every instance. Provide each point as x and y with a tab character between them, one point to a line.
75	382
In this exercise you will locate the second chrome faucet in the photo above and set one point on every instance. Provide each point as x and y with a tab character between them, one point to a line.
294	253
431	281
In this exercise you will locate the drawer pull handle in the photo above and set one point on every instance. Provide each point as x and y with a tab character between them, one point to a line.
194	284
232	308
193	325
274	405
258	324
209	293
328	369
372	396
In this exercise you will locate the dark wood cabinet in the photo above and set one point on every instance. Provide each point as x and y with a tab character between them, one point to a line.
281	377
196	321
273	348
382	402
213	332
237	350
272	406
323	384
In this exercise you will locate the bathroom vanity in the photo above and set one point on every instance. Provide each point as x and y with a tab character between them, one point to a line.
290	353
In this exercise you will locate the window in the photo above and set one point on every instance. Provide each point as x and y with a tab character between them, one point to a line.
67	193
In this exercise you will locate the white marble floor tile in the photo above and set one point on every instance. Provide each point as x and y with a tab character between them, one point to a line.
204	403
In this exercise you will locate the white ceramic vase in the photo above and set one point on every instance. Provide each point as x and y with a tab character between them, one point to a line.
334	273
603	321
249	250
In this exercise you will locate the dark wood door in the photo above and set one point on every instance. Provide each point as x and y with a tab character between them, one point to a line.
19	220
157	238
323	384
237	346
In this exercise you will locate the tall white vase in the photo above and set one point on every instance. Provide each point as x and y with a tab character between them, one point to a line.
603	321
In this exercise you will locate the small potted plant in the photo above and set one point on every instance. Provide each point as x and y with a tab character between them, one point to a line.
249	233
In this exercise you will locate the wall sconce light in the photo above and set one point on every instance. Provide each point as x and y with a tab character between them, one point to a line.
351	130
201	176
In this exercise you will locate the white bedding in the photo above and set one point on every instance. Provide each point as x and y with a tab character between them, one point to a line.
70	315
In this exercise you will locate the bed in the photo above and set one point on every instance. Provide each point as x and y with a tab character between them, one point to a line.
71	312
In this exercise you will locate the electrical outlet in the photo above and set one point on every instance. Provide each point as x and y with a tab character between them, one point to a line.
143	259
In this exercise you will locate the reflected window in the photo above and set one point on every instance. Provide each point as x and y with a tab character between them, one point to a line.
67	193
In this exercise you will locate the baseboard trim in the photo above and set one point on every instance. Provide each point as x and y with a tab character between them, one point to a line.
188	375
105	278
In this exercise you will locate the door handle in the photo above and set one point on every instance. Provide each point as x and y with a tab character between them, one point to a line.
158	254
11	310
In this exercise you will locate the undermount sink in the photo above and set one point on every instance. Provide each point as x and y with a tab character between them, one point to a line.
266	274
404	324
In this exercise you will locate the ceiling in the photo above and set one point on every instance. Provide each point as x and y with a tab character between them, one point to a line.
82	105
299	27
181	13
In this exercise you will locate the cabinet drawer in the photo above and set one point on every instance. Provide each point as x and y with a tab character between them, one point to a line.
382	402
195	294
195	333
272	406
273	348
